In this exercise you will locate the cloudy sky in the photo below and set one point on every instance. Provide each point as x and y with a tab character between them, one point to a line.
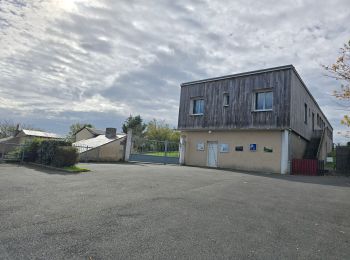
66	61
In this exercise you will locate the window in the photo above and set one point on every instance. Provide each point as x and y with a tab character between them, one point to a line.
197	106
263	100
305	113
226	99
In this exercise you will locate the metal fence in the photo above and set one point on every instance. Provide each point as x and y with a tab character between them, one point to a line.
154	151
343	160
85	153
310	167
12	152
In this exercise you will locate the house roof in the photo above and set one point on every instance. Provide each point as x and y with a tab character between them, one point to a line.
94	142
239	74
95	131
2	140
39	133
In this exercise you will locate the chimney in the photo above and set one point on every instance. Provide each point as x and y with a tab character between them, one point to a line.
111	132
16	131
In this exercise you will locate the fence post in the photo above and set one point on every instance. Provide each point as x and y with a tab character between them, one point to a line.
22	159
165	151
182	148
3	153
128	145
86	151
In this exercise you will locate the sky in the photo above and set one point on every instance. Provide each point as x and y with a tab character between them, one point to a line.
68	61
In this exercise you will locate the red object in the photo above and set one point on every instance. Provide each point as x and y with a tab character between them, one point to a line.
305	167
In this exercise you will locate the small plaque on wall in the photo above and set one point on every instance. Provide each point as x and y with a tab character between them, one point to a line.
268	149
200	147
252	147
239	148
224	148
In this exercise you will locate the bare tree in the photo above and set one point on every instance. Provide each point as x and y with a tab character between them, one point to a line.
8	128
340	71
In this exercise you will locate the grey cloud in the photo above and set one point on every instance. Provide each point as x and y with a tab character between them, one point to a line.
133	55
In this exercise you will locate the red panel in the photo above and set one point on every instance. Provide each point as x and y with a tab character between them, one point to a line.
304	167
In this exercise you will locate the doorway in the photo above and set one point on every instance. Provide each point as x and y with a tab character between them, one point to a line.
212	154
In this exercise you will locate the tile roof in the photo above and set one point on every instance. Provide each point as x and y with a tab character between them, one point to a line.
40	133
88	144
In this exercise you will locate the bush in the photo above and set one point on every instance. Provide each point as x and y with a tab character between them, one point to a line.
31	150
65	156
50	152
47	150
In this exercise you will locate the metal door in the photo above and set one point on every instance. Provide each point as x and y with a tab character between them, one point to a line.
212	154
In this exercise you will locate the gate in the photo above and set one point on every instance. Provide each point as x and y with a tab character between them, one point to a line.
11	152
154	151
311	167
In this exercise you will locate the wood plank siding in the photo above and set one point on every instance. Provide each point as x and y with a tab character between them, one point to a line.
240	112
289	96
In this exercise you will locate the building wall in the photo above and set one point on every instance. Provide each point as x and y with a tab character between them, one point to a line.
297	146
246	160
112	152
240	113
83	135
300	97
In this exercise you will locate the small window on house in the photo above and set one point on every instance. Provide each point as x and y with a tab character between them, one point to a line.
263	101
226	99
197	107
305	113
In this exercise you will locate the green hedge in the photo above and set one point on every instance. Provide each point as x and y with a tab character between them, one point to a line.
50	152
65	156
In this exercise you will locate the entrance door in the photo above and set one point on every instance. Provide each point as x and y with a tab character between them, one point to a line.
212	154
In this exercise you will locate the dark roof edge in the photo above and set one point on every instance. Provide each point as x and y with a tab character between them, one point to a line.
307	90
284	67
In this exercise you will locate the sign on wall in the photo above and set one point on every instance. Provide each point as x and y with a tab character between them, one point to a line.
200	147
268	149
239	148
224	148
252	147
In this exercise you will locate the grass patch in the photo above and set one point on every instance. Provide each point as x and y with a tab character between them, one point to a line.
168	154
75	169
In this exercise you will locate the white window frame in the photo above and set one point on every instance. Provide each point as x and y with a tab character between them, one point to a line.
254	100
192	106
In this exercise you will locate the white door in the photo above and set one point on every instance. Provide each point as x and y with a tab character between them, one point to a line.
212	154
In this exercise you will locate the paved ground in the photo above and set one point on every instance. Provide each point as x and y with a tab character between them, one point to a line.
125	211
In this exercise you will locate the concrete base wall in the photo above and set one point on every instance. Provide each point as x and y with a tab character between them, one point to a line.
258	160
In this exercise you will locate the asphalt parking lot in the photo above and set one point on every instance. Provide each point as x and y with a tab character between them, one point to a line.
123	211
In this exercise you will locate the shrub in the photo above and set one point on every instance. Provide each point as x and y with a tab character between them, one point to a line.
31	150
64	156
47	150
50	152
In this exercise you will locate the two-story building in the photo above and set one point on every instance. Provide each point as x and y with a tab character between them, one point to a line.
256	121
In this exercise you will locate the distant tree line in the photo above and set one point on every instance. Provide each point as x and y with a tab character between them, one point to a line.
157	130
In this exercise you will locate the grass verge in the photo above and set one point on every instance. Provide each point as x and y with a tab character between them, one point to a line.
76	169
168	154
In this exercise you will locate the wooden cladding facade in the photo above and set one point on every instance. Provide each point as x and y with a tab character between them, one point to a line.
240	111
289	93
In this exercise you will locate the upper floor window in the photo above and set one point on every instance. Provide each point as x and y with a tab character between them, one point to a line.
305	113
197	107
263	100
226	99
